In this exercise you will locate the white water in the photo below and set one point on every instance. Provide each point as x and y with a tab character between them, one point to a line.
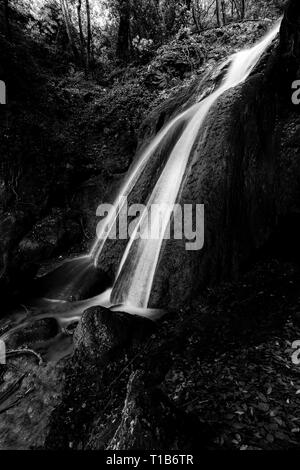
132	287
129	184
137	171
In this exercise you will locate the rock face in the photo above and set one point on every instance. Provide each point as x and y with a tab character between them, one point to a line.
234	175
101	333
33	334
247	175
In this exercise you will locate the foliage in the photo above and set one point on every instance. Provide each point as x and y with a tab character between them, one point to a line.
90	30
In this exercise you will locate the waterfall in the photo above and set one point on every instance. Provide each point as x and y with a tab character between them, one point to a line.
135	276
138	265
131	181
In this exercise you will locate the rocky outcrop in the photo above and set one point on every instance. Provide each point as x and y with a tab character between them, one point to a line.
101	333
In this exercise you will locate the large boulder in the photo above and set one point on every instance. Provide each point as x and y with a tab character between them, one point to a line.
101	333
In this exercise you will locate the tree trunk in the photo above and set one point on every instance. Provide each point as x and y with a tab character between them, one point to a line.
196	20
219	12
123	44
243	9
170	16
236	8
82	45
188	4
89	35
223	11
66	16
6	12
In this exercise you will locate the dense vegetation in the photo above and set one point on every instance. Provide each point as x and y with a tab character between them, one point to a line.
97	34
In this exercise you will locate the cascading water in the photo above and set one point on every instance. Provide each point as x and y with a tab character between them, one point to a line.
137	269
131	181
132	287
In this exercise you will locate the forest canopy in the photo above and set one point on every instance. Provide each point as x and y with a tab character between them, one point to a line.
122	31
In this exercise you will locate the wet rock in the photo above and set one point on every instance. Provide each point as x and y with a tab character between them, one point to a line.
35	332
232	172
75	279
71	328
50	236
89	195
101	333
